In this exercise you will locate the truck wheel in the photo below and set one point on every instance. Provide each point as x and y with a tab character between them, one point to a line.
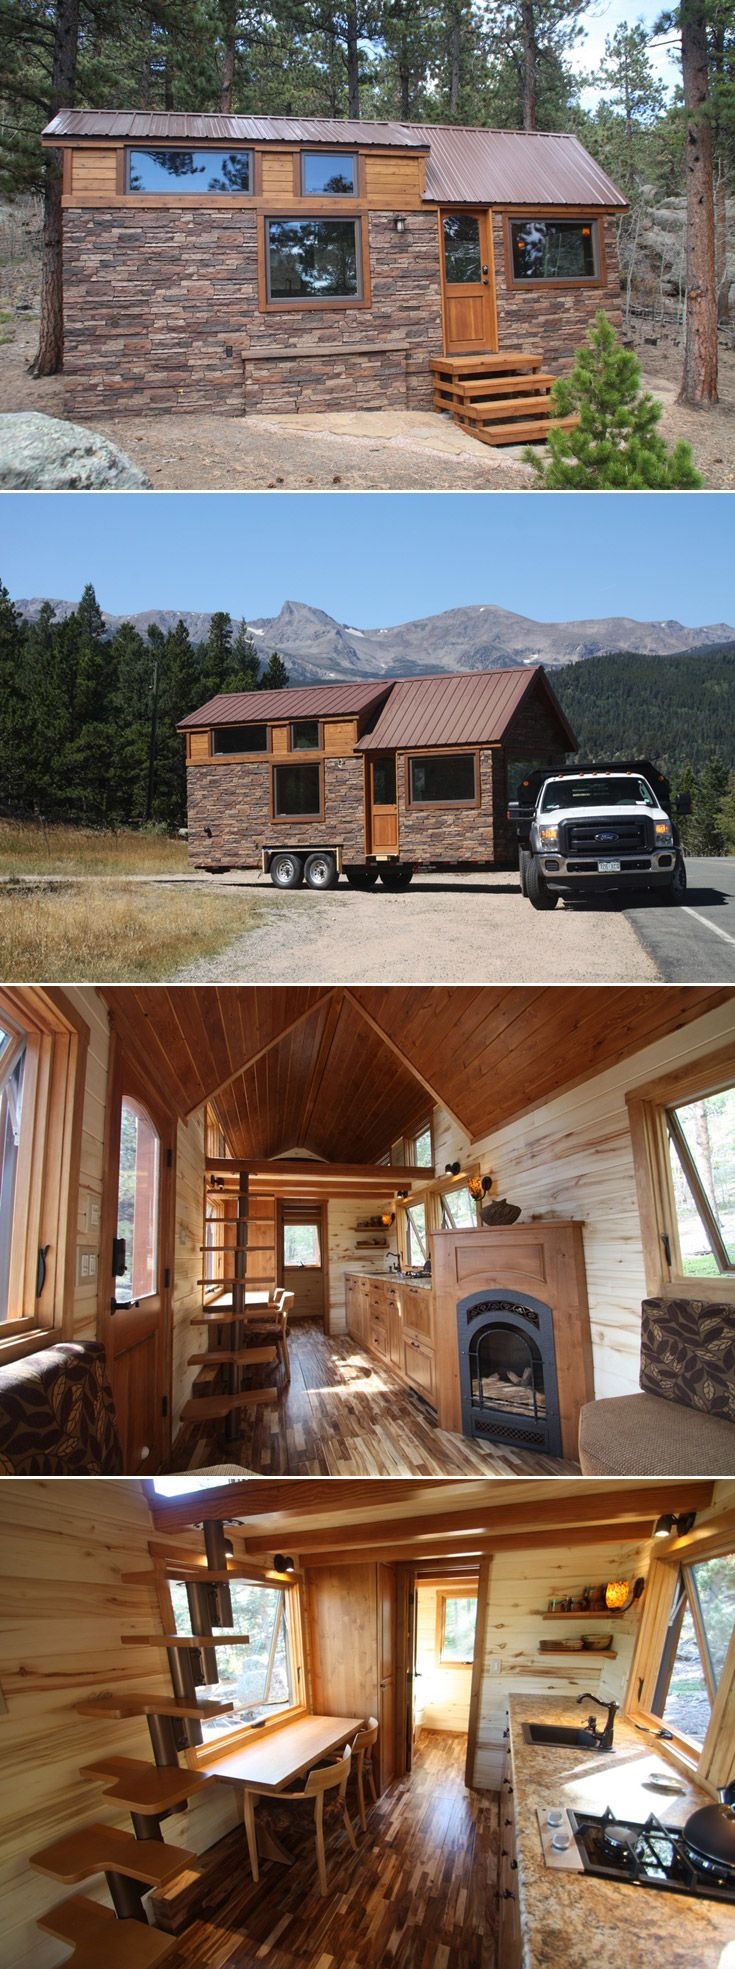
677	889
523	861
537	890
361	878
397	877
320	872
286	870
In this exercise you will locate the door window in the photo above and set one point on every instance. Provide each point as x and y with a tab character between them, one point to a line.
137	1204
301	1245
462	257
384	782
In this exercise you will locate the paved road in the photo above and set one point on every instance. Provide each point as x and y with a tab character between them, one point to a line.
694	944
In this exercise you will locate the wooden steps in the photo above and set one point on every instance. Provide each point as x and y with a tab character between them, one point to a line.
226	1317
98	1937
101	1849
121	1707
498	399
242	1357
215	1408
141	1787
186	1641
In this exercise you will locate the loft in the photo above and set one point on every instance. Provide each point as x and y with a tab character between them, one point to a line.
397	1643
361	1230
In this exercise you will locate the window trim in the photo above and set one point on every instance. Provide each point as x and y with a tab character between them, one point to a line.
168	1566
298	751
453	1591
196	197
442	752
516	216
647	1105
713	1763
49	1163
304	302
313	763
313	150
245	752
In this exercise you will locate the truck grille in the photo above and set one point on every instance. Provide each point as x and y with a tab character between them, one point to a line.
605	837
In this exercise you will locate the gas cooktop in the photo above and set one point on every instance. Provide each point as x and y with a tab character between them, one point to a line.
649	1855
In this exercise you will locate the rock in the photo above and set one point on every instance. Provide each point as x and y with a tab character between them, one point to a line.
46	455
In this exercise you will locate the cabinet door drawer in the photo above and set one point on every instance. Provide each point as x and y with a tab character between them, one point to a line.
379	1333
418	1367
416	1307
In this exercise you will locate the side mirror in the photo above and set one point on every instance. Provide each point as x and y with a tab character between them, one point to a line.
683	803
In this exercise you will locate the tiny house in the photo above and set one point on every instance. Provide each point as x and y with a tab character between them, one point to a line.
247	264
510	1704
366	779
369	1231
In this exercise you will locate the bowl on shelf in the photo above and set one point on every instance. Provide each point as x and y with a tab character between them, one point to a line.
596	1644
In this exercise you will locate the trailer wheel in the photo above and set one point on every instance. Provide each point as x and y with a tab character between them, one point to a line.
361	878
320	872
523	861
677	888
398	876
286	870
537	889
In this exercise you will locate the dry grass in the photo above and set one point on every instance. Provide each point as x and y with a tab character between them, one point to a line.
107	934
28	847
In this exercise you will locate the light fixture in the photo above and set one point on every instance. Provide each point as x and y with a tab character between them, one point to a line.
479	1185
452	1168
616	1593
669	1522
388	1218
399	222
282	1563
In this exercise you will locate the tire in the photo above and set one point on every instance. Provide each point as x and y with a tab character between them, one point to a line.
397	877
320	871
523	861
286	870
539	895
677	889
361	878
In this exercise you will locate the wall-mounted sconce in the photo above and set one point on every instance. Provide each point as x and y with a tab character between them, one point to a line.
479	1185
452	1168
282	1563
399	222
669	1522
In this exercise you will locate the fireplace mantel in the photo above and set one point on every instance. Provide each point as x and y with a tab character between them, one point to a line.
543	1259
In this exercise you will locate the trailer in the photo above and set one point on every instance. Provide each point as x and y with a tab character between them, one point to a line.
598	829
369	781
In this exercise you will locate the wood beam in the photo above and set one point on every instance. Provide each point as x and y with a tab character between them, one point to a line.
471	1545
396	1173
284	1499
253	1058
438	1098
576	1508
278	1497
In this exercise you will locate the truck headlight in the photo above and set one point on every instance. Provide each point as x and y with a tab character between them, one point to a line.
549	837
664	834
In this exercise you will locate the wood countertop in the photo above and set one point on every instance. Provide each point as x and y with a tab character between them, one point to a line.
388	1278
569	1920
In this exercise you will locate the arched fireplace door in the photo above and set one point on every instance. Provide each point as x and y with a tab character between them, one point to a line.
507	1369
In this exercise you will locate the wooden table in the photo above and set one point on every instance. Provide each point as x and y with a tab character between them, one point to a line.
272	1763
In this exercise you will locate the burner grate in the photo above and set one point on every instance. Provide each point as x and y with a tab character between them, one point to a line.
648	1855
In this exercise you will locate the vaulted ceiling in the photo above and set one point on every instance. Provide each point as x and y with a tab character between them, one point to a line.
342	1072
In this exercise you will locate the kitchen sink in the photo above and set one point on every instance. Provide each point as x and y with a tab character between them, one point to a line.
581	1739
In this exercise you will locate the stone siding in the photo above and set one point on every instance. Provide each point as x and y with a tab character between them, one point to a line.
233	801
450	834
553	320
153	300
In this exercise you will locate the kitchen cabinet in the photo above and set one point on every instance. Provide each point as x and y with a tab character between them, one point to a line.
356	1305
395	1321
509	1946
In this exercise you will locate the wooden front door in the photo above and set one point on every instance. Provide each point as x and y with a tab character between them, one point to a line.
135	1311
383	805
469	302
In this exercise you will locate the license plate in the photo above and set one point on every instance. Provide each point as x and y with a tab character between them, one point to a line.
609	867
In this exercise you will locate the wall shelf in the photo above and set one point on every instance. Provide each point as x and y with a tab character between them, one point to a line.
589	1613
592	1654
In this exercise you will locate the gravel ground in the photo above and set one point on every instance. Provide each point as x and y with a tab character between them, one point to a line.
452	929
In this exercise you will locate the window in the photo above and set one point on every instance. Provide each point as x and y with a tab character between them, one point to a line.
305	735
619	791
12	1065
701	1138
296	791
442	779
384	782
43	1046
136	1271
240	738
328	173
258	1679
208	173
313	259
301	1245
458	1210
456	1617
698	1634
419	1149
553	249
462	256
415	1231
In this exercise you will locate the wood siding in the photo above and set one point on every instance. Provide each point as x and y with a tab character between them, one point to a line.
394	183
64	1549
340	736
198	747
95	172
277	168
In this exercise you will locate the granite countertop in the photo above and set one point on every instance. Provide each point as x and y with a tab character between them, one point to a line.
390	1278
572	1921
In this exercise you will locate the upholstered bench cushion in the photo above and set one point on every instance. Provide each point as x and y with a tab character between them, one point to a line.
643	1436
56	1414
688	1354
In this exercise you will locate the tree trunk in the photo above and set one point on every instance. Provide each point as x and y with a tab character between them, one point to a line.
353	65
454	80
50	353
723	273
530	59
227	80
404	77
699	381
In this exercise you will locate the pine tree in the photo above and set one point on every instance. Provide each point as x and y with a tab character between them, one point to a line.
14	720
632	100
245	661
217	664
275	675
615	446
725	816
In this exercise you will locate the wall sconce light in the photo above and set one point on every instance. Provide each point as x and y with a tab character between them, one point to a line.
399	222
282	1563
479	1185
452	1168
388	1218
668	1522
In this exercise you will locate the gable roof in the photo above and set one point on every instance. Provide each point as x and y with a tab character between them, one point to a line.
265	707
459	708
465	165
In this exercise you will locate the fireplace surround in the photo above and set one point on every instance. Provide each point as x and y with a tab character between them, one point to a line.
507	1370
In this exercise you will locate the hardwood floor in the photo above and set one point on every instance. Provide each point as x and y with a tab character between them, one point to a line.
418	1894
346	1415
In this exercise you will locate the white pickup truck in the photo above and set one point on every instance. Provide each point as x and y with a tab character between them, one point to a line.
590	830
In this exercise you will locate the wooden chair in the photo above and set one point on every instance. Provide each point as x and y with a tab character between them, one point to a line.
273	1326
322	1779
362	1753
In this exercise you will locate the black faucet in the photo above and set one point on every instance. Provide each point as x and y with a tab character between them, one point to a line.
605	1739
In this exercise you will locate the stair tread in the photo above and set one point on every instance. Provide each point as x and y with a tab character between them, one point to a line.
504	408
142	1787
469	391
489	360
101	1848
227	1318
97	1935
246	1357
522	433
125	1706
185	1640
213	1408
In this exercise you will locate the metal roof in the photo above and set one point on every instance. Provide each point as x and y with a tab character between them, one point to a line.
460	708
266	707
465	165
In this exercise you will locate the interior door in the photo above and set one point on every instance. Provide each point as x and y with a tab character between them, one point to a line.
135	1310
387	1622
383	803
469	304
302	1259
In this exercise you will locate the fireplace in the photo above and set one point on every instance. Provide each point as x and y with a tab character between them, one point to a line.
507	1370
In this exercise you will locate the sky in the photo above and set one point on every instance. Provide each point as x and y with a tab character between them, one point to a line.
373	560
600	21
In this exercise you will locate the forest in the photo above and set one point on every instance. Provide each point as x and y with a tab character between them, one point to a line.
503	63
88	729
